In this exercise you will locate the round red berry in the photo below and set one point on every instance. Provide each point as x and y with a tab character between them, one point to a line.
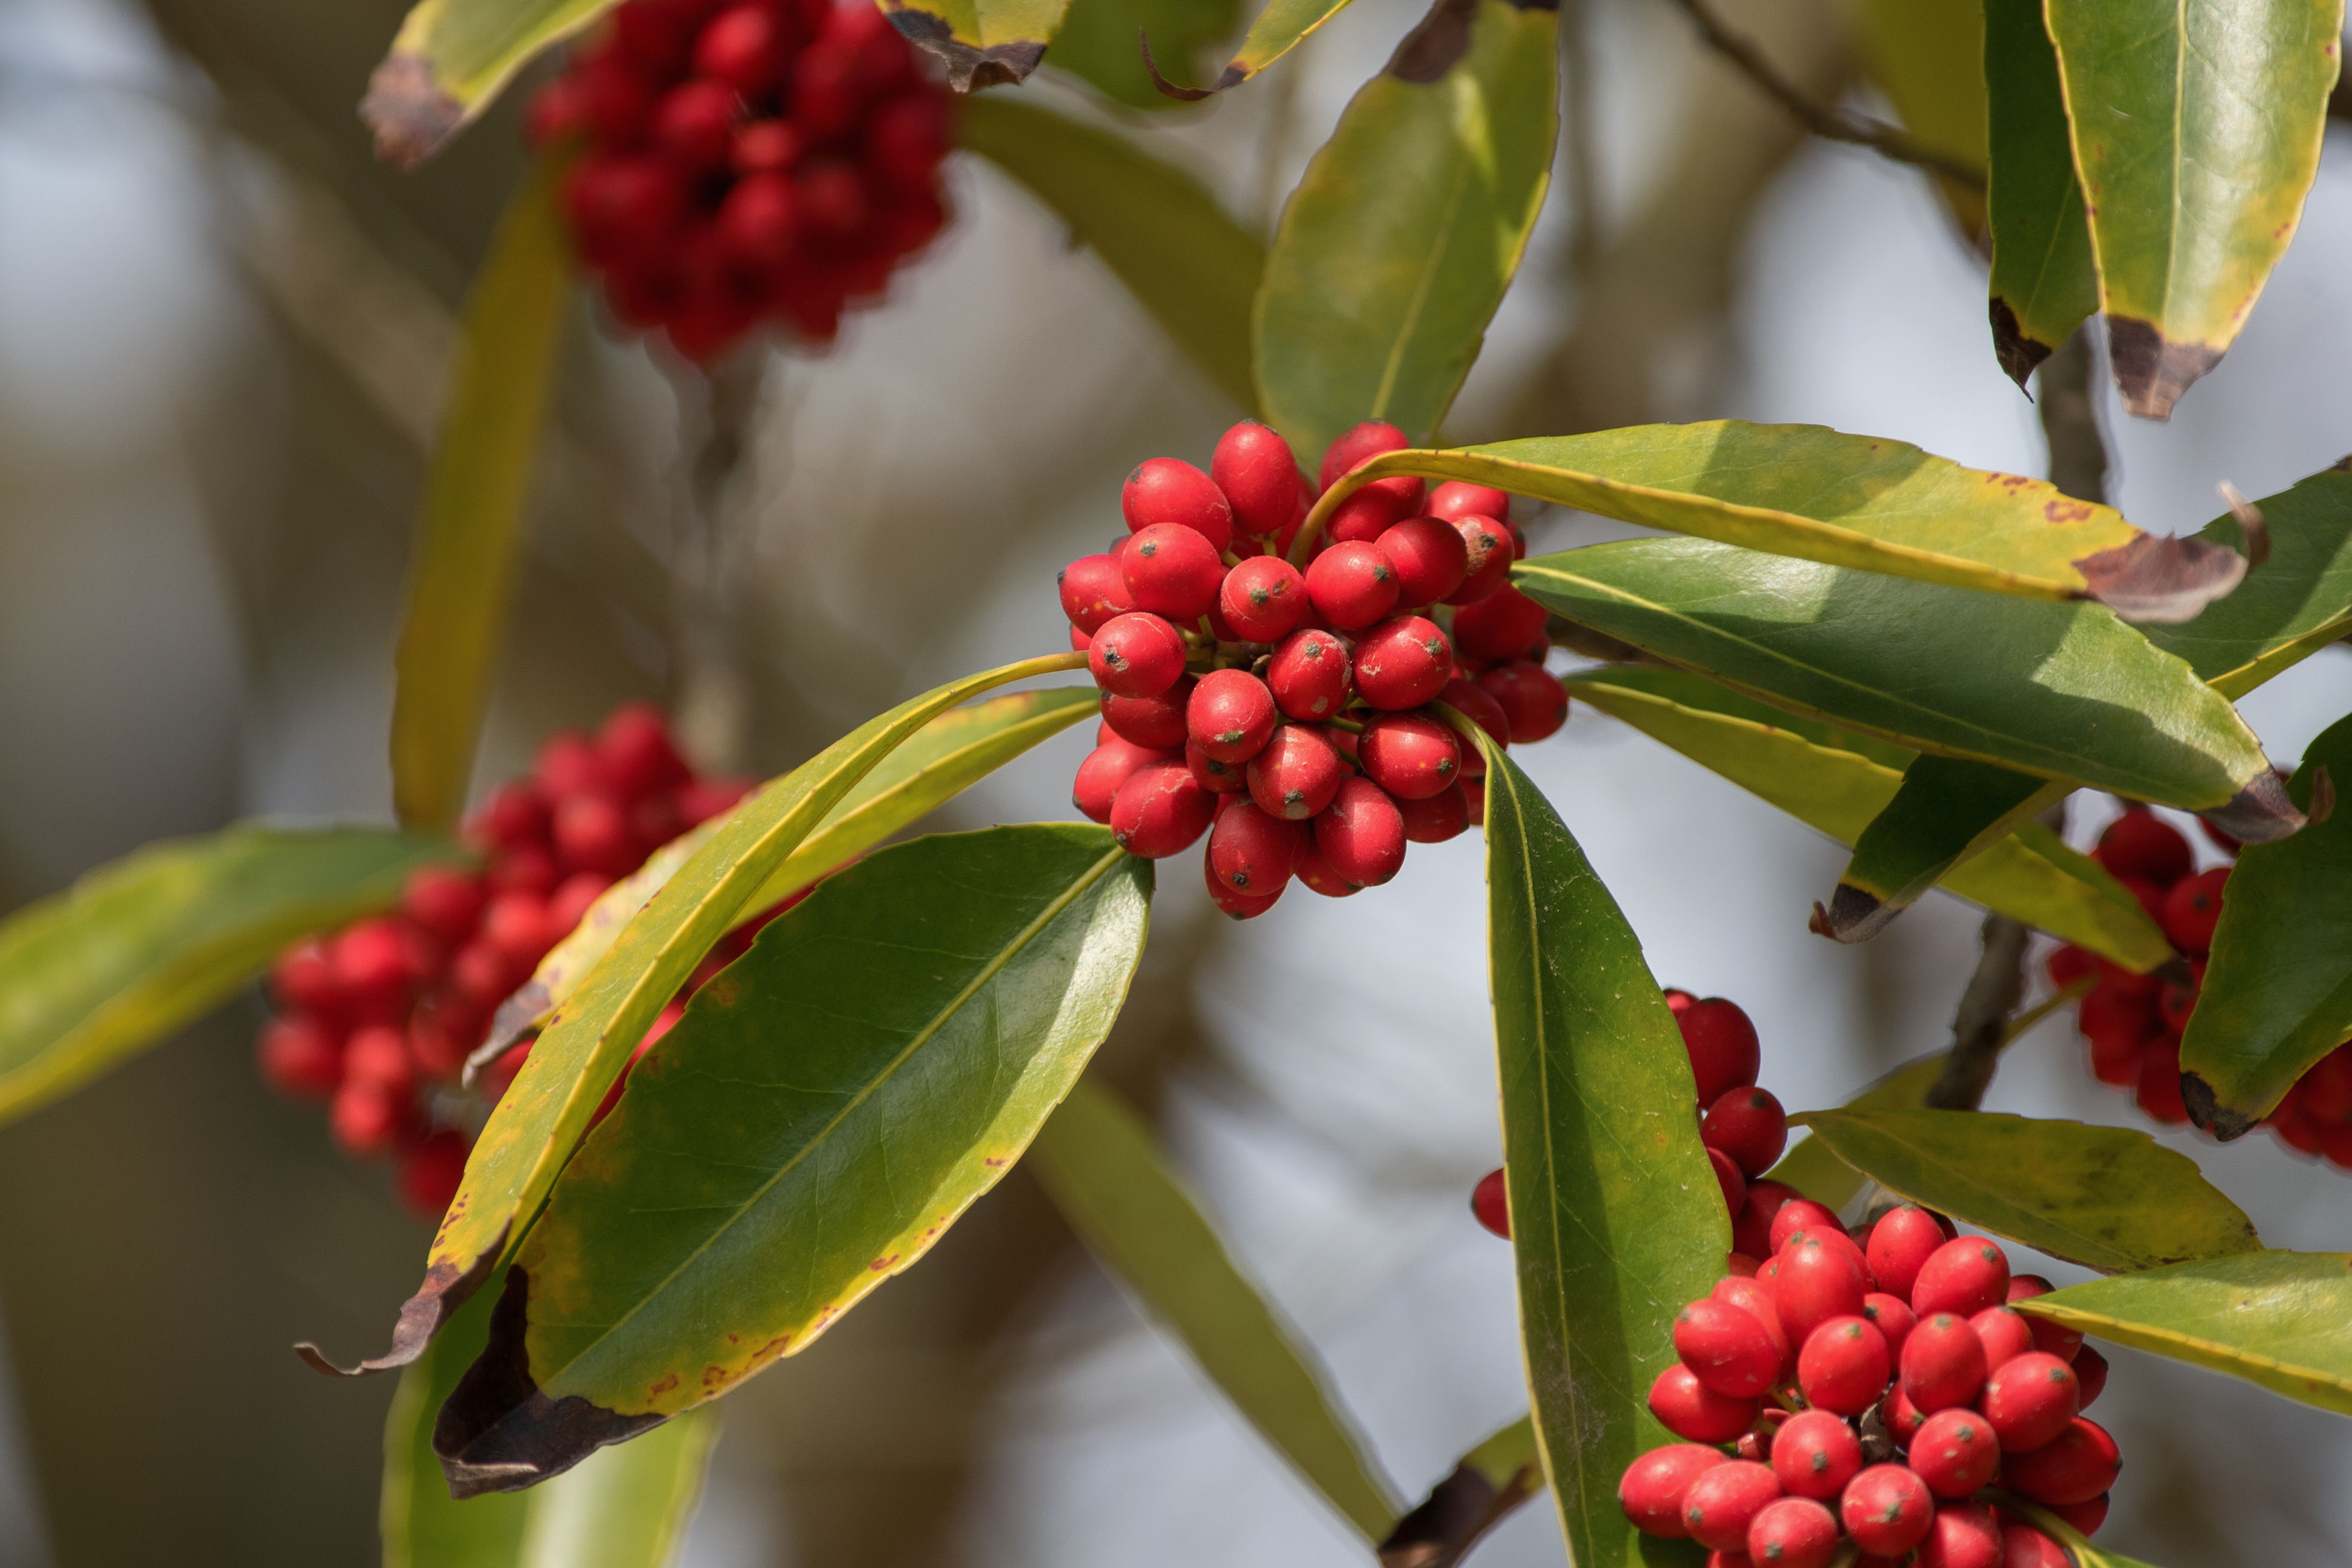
1216	777
1351	586
516	924
592	832
1530	696
300	1058
1843	1366
1720	1503
1814	1282
2023	1546
1962	1276
1480	707
1160	810
1723	1051
1435	819
1954	1452
2090	1373
1296	774
1891	1317
1748	1125
1172	571
1321	877
1361	835
1792	1532
1900	1245
367	1117
1752	1298
1230	715
1727	1349
1728	1177
1157	721
2142	844
1458	498
1169	493
1263	599
1251	851
1801	1213
1888	1509
1815	1454
1411	755
1309	676
2049	1335
1093	590
1505	625
1237	906
1107	767
1963	1535
2030	1400
1255	470
1490	1202
2085	1517
2158	1092
1485	560
742	47
2193	908
1371	510
1402	663
1430	559
1352	447
1136	655
1654	1485
2074	1466
1752	1228
1692	1411
2003	1332
1943	1362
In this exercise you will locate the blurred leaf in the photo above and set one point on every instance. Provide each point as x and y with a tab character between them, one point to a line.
1157	230
536	1124
136	948
2283	1319
1398	243
830	1103
982	43
1616	1219
2063	691
471	531
2197	128
1820	1174
2030	875
2043	280
1925	58
1946	811
1278	29
945	757
1100	42
450	62
2109	1198
1845	501
624	1508
2277	994
1097	1160
1489	1483
2298	601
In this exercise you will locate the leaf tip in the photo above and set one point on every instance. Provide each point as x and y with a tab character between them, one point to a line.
1006	64
2150	368
2206	1109
1233	75
2262	813
446	1289
1853	915
410	116
2017	352
2160	581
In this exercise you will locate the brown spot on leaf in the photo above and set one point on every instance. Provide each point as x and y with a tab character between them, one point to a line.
879	1264
1460	1509
1437	42
993	1163
2017	352
663	1384
2209	1113
968	67
2152	370
446	1289
2065	510
2163	581
412	117
1855	915
518	1016
2260	813
716	1377
1232	76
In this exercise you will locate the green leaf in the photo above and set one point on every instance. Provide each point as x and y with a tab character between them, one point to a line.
471	531
1489	1483
829	1104
1097	1160
1820	1174
2295	604
1399	241
1923	58
943	759
1278	29
2063	691
1098	38
1616	1220
535	1125
2197	126
450	62
2106	1197
1828	780
2277	994
1844	501
2283	1319
1154	225
626	1508
136	948
1946	811
2043	280
982	43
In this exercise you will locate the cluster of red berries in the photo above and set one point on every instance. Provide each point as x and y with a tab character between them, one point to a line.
2133	1022
377	1019
1871	1389
760	158
1292	714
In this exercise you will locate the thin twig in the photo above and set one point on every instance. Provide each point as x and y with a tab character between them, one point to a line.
2070	420
1829	122
1980	1025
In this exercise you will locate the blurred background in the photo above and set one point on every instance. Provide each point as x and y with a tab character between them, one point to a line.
222	335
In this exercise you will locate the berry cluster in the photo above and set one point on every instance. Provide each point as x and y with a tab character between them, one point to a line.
765	158
1872	1388
377	1019
2133	1022
1295	710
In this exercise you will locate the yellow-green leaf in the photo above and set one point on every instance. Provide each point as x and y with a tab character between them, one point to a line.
2110	1198
982	43
471	531
1820	1175
1945	812
1491	1480
2043	280
1097	1162
450	62
1398	243
2294	605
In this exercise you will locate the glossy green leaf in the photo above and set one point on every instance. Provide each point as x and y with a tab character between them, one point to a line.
450	62
1098	1163
2277	994
1923	58
1277	30
1820	1174
2109	1198
626	1507
2063	691
829	1104
1616	1219
1844	501
941	760
1098	39
1398	243
982	43
2290	607
471	531
2283	1319
1827	780
1489	1483
2197	127
136	948
536	1124
1159	230
2043	281
1945	811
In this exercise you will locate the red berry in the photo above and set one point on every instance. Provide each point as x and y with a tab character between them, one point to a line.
832	200
1485	559
1136	655
638	755
1963	1535
569	765
741	46
2192	908
1230	715
1843	1366
1888	1509
1794	1532
378	1054
1753	1298
1727	1349
1354	446
1309	676
1720	1503
1900	1245
766	147
430	1172
1943	1362
443	901
1429	557
1814	1281
1891	1317
1321	878
1351	586
2140	844
1107	767
1503	625
1748	1125
516	924
1172	571
1259	476
2004	1333
1157	721
2074	1466
1264	599
1728	1177
1801	1213
1239	905
303	979
367	1117
1361	834
2023	1546
1437	818
1167	493
1371	511
1093	590
300	1058
694	122
626	206
1723	1048
1962	1276
2048	1336
1458	498
2069	963
1411	755
2029	1399
907	137
2090	1373
1402	663
1480	707
1654	1485
1815	1455
1695	1413
2158	1094
1216	777
1296	774
1903	1420
1160	810
1531	696
1253	852
2085	1517
1752	1228
2176	1002
1954	1452
591	831
1490	1202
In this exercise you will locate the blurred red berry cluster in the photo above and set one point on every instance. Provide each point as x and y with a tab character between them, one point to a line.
1290	714
770	159
377	1019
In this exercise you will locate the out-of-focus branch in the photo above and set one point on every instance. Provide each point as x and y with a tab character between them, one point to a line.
1980	1025
2070	420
